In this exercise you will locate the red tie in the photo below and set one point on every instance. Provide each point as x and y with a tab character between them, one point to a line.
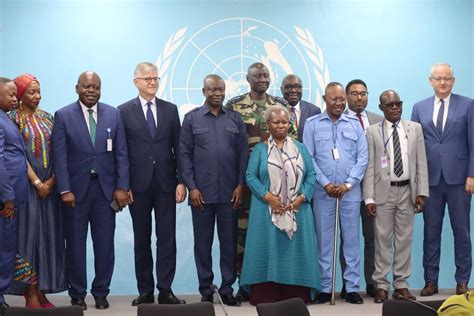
360	120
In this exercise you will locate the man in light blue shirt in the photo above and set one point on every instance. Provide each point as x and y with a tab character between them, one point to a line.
338	147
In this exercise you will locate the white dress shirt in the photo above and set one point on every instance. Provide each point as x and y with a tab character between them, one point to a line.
437	105
363	116
85	111
145	107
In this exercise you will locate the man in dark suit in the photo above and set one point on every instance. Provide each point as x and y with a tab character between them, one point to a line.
91	167
152	130
448	128
357	99
13	185
292	91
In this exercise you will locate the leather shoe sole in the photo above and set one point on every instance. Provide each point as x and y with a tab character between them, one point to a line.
144	299
354	298
430	289
322	298
380	296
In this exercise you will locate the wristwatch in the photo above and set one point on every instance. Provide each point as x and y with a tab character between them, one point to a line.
348	186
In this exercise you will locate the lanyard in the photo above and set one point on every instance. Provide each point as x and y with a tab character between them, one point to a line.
383	135
334	133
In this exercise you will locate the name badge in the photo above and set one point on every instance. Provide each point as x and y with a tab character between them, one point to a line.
109	140
335	153
384	162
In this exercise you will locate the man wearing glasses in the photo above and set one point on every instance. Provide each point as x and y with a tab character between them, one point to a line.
448	128
395	187
292	91
152	130
337	145
357	99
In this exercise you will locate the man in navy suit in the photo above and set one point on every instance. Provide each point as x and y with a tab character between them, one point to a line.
91	167
448	128
292	91
13	185
152	130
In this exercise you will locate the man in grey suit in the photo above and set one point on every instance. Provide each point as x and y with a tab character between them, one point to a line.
292	91
395	187
357	99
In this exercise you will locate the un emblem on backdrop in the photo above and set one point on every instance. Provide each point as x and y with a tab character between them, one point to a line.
227	47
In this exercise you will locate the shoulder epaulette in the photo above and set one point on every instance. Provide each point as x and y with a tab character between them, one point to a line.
281	100
236	99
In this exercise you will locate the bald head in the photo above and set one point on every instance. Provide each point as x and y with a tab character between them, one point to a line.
8	100
387	94
391	105
292	89
88	88
258	78
214	90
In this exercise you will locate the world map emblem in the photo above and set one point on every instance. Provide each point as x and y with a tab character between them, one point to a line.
227	47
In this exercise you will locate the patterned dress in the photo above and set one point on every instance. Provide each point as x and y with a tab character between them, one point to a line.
40	232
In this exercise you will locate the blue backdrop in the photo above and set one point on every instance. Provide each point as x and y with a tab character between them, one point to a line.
389	44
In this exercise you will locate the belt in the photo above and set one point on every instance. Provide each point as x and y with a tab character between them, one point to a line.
400	183
94	175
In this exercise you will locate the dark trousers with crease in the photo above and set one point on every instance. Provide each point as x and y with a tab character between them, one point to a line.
8	244
203	226
164	205
95	210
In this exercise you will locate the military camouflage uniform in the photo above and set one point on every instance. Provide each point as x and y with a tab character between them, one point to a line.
257	132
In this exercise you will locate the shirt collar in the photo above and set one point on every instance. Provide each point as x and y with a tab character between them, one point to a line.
144	102
85	109
446	100
325	115
353	113
205	109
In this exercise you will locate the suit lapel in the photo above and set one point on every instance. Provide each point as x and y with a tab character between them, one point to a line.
101	124
410	137
161	117
140	117
453	107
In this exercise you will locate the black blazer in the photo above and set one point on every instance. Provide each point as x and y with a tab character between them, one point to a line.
307	110
146	154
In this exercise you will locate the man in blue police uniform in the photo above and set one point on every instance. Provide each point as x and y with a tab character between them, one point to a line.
213	157
338	147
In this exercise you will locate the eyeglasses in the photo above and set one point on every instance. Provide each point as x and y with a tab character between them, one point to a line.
445	79
362	94
150	79
290	87
391	105
338	100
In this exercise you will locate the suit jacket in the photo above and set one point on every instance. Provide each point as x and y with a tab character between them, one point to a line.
376	184
13	171
453	151
74	155
373	118
147	154
307	110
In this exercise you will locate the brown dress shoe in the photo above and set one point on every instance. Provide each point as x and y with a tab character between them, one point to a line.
461	288
380	296
430	289
403	292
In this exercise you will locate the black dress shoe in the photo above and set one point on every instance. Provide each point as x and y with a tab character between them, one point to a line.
343	292
370	290
230	300
79	302
354	298
101	302
208	298
242	295
144	299
322	298
3	307
167	297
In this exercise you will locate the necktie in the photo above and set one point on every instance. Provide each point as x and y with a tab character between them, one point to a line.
397	153
150	120
439	119
293	114
92	125
360	120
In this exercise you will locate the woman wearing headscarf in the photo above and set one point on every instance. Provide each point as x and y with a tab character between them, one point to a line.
280	256
40	233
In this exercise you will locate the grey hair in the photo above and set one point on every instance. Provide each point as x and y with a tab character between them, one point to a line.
144	67
442	64
274	109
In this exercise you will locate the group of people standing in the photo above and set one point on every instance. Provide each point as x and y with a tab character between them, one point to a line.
268	169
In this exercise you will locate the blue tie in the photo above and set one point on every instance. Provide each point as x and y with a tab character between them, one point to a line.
439	119
150	120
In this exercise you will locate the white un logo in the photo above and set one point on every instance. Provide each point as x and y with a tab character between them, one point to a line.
227	47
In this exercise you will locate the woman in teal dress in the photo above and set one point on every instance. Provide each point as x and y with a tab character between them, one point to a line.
40	233
280	256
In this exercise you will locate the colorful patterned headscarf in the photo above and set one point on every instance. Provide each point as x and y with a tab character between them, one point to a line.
22	82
